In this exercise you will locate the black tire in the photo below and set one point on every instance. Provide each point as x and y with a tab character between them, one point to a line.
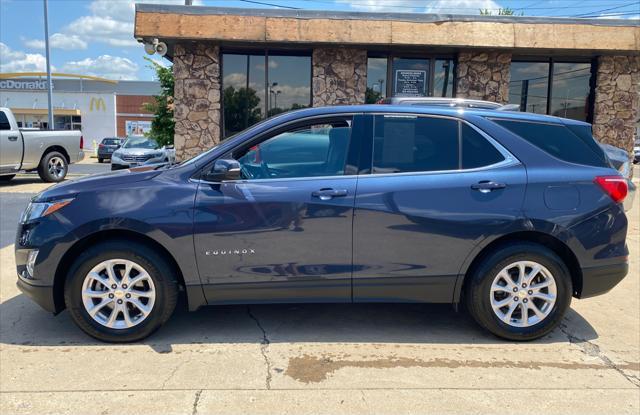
43	167
100	160
477	295
160	272
7	178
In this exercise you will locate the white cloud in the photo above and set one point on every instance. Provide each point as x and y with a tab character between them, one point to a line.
103	29
462	6
106	66
19	61
111	22
57	41
33	43
434	6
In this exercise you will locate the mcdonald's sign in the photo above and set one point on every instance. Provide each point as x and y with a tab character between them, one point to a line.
98	103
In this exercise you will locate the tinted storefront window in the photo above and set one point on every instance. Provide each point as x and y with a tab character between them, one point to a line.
570	85
248	97
376	80
529	85
289	83
443	78
410	77
570	92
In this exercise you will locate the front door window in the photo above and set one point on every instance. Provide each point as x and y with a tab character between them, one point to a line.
310	151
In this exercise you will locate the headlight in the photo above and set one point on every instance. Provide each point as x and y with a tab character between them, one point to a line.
158	154
37	210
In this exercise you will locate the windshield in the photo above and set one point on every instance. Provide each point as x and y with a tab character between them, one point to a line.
141	142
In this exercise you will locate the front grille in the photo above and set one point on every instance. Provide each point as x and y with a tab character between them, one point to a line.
137	159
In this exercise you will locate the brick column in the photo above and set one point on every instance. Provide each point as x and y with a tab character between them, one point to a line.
339	76
483	75
196	69
616	109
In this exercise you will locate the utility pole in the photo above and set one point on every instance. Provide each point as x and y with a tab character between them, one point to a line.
49	84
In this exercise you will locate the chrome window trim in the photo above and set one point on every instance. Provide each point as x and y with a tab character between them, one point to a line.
509	159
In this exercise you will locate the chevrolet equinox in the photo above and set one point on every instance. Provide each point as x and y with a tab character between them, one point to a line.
509	214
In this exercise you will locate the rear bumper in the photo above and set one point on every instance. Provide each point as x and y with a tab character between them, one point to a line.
42	295
600	280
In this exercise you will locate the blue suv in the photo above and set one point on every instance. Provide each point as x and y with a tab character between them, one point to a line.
510	214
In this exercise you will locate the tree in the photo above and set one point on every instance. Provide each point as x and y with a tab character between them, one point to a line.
163	124
241	108
371	96
501	12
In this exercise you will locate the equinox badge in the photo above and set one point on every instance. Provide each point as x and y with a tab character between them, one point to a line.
231	252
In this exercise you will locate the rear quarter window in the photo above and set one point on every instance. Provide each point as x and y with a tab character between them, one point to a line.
559	141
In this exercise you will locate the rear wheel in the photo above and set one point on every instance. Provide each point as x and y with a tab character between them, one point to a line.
53	167
120	292
100	160
519	292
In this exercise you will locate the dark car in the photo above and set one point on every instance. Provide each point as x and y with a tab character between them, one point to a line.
106	148
511	214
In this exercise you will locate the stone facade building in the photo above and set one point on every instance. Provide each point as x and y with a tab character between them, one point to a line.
234	67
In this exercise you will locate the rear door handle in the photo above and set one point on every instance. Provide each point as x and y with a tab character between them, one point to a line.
328	194
487	186
13	138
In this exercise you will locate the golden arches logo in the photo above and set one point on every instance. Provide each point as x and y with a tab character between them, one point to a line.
98	103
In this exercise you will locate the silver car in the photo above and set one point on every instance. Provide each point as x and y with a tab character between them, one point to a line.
137	151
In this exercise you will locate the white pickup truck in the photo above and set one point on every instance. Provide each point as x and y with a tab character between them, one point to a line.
48	152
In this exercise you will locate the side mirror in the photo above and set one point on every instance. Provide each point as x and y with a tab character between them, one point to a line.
223	170
169	147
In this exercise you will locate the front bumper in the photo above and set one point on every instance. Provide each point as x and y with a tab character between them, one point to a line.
601	279
42	295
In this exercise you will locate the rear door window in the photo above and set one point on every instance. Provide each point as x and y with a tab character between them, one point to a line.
476	150
558	140
408	143
404	143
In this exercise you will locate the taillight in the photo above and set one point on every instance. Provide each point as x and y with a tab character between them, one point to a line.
100	145
81	142
615	186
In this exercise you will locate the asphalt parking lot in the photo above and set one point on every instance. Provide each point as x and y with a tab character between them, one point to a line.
318	358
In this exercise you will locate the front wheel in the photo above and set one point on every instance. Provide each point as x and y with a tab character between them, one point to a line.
520	291
120	292
53	167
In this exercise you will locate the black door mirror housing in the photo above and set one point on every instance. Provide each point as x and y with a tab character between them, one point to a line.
223	170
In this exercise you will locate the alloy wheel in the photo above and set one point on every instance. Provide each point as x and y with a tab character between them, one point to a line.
118	294
57	167
523	294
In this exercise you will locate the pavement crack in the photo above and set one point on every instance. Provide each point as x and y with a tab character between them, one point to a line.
194	409
593	350
264	347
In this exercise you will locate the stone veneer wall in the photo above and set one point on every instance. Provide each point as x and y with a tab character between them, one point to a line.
616	109
339	76
483	75
196	69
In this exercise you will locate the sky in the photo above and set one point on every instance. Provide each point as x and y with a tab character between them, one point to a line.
95	37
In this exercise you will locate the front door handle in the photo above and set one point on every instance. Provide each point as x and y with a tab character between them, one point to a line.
13	138
328	194
487	186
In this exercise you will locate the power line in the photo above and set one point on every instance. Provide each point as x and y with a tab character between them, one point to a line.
611	15
392	4
269	4
634	3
